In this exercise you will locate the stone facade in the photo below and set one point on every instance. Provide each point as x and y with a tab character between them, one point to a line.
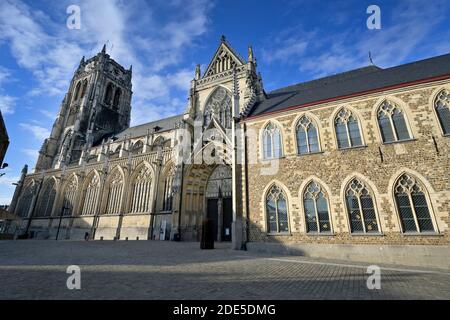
160	180
424	156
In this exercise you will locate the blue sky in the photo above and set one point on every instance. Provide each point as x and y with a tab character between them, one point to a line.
293	41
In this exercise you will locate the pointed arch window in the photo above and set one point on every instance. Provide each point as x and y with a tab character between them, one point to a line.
141	191
25	201
316	209
138	147
70	193
108	94
117	96
77	91
277	211
83	90
272	142
392	122
91	196
115	193
412	205
219	106
347	128
442	106
168	194
361	208
47	198
307	136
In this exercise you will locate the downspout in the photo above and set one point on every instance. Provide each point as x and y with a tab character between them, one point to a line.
181	200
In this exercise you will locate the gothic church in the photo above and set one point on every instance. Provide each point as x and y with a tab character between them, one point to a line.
360	157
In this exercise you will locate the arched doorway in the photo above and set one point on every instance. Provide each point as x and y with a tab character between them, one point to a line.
219	202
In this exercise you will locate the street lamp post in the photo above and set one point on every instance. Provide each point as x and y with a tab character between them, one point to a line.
63	210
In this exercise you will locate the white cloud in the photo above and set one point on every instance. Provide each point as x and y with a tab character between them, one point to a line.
40	133
32	153
181	79
7	104
48	114
51	52
405	28
5	74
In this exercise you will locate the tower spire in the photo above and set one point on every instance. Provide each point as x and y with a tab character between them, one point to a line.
104	49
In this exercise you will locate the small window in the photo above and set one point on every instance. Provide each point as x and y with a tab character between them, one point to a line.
360	208
347	130
392	122
277	212
316	209
307	136
272	142
442	106
412	205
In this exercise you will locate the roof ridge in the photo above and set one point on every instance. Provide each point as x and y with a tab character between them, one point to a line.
147	123
336	75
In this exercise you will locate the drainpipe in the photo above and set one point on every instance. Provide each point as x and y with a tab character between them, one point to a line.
181	200
158	162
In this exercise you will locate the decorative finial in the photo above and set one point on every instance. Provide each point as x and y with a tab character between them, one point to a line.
222	38
250	53
104	49
25	169
197	72
82	60
131	68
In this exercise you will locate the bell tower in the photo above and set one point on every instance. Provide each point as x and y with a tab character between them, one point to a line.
96	106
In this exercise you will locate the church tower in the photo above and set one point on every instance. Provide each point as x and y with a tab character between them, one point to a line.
97	106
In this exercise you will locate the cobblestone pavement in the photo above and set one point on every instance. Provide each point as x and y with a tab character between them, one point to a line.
170	270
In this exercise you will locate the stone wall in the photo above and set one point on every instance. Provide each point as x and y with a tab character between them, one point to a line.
378	165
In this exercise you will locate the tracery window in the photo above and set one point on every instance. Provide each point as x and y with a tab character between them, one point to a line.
115	193
91	196
348	133
272	142
412	205
25	201
219	106
392	122
70	193
316	209
361	208
141	191
442	106
307	136
168	194
138	147
47	198
277	211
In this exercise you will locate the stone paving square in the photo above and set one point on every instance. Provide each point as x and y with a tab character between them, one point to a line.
180	270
